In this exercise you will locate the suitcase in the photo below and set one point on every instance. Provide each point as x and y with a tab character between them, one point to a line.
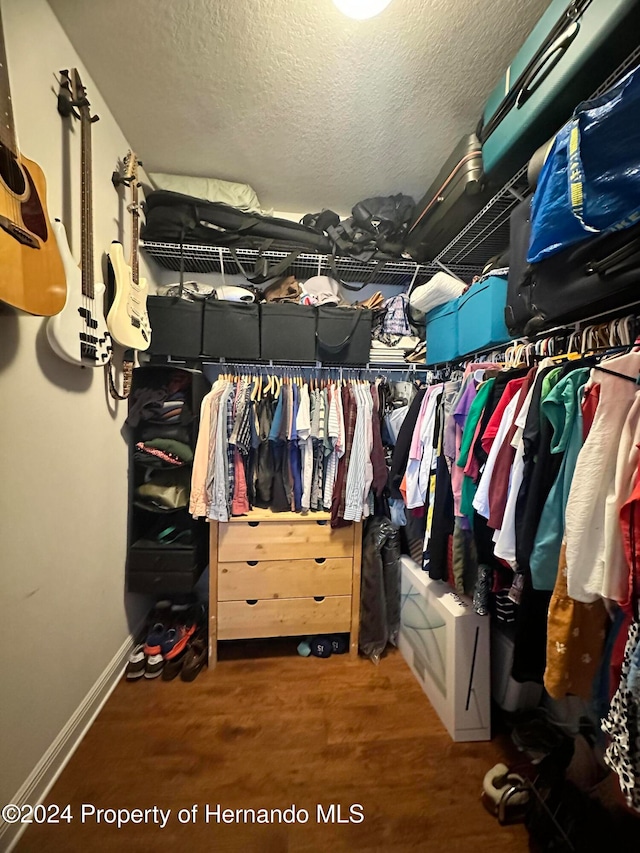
450	203
287	332
516	312
442	333
585	280
343	335
569	54
481	315
231	330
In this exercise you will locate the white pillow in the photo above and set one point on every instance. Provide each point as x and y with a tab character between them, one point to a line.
440	289
241	196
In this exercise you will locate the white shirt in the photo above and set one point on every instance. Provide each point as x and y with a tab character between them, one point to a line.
481	499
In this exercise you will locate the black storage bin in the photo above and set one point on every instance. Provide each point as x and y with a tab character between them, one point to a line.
344	335
287	332
231	330
176	326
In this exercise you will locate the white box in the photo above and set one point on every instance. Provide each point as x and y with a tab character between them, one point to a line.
446	644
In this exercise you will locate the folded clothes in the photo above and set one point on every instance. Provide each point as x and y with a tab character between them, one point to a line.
406	342
166	449
166	489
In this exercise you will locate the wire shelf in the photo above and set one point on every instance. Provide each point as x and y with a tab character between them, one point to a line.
215	259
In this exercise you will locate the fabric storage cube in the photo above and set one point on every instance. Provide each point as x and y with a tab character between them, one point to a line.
481	315
343	335
287	332
176	326
442	333
231	330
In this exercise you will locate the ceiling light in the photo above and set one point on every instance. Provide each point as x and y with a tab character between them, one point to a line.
361	9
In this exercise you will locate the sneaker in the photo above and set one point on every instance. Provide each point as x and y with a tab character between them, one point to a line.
159	620
153	666
176	640
136	663
185	620
196	656
155	638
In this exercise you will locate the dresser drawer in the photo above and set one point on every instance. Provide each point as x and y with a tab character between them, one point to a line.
281	540
284	578
283	617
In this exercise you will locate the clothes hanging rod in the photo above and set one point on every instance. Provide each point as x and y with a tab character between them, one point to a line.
605	316
370	367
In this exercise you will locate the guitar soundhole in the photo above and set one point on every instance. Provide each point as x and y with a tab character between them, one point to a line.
33	214
10	172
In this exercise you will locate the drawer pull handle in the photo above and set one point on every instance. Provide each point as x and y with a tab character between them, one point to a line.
253	523
252	562
322	522
320	560
252	601
318	597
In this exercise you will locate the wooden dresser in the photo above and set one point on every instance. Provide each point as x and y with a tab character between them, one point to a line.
283	574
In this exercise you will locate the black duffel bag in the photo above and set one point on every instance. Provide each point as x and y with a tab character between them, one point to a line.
343	335
177	218
590	278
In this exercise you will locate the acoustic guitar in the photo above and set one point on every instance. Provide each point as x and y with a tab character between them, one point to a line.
31	272
127	319
79	333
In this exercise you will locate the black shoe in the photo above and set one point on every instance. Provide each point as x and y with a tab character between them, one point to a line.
173	667
195	658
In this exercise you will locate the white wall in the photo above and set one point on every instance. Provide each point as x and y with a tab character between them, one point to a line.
63	471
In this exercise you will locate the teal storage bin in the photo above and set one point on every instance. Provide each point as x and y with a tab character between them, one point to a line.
481	315
442	333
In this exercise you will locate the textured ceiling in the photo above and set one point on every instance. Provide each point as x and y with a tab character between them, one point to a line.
311	108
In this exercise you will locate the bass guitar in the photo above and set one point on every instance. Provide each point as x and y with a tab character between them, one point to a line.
79	333
31	272
127	318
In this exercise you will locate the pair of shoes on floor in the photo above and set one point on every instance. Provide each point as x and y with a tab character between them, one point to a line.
324	645
172	627
190	662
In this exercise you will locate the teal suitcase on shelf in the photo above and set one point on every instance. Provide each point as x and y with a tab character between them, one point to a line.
442	333
570	53
481	315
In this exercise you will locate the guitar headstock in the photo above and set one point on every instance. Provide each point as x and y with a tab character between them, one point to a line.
130	166
127	173
80	99
72	97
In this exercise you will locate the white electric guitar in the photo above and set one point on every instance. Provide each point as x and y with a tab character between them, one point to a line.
127	319
79	334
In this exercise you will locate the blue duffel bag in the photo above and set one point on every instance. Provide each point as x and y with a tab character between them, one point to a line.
590	183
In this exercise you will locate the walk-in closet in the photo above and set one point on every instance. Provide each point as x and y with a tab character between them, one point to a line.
320	372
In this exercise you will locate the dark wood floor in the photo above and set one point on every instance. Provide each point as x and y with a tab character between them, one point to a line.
272	731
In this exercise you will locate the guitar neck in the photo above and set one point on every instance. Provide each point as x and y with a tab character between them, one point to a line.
88	279
7	127
135	231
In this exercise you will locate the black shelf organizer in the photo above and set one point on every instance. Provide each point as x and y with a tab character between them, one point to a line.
155	565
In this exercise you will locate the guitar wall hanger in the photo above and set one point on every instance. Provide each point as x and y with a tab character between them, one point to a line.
67	106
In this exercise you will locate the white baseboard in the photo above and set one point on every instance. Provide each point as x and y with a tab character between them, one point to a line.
44	774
